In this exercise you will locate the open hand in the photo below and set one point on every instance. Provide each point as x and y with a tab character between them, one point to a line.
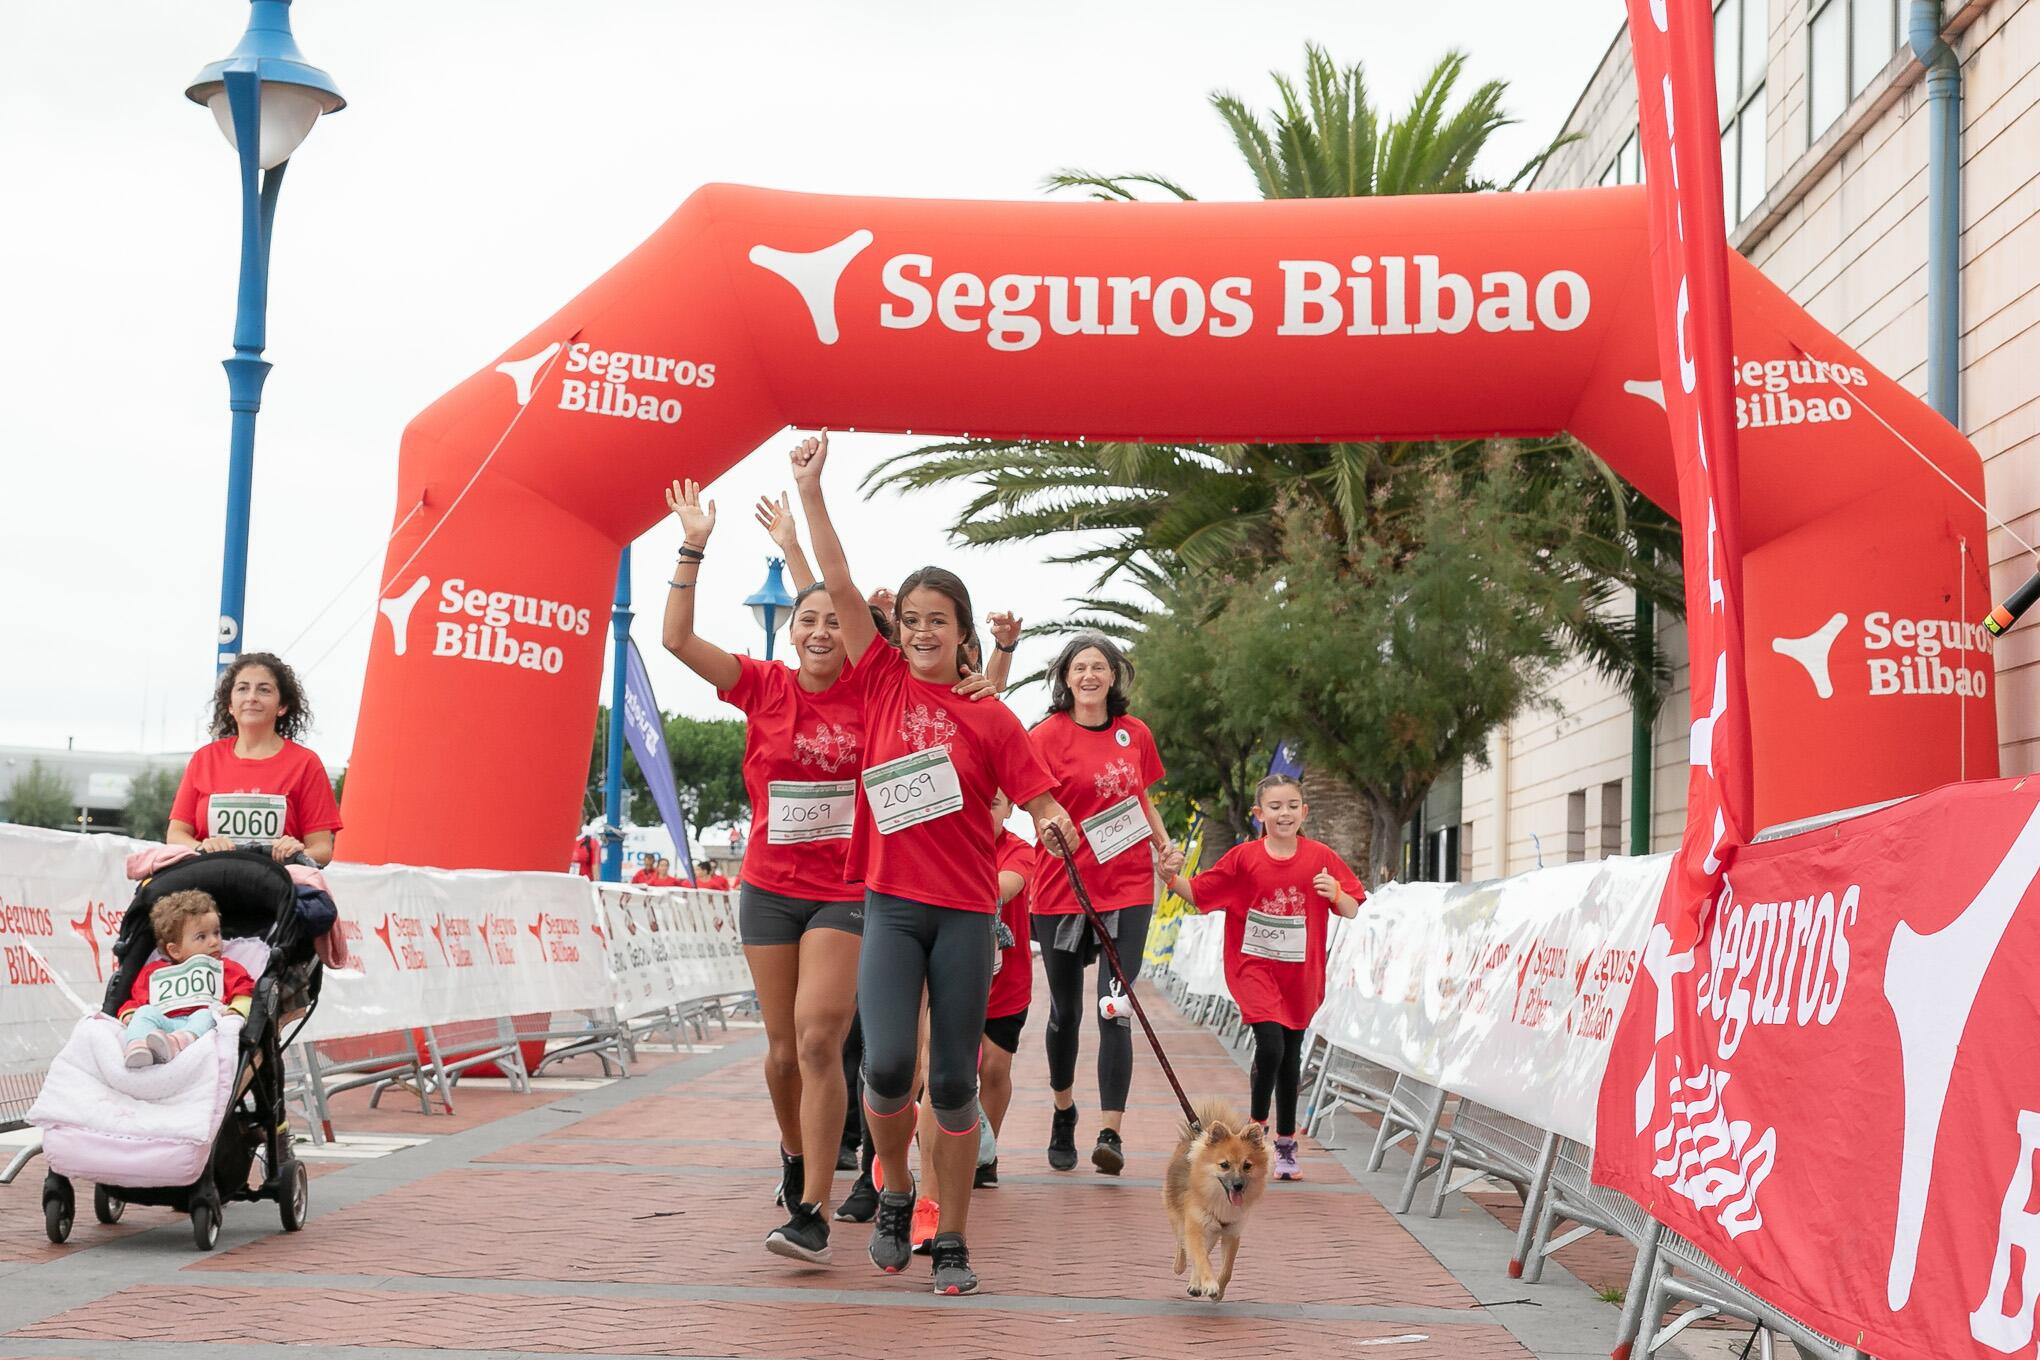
777	520
1004	628
696	522
808	457
882	600
975	686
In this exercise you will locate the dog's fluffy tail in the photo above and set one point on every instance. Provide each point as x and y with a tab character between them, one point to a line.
1214	1110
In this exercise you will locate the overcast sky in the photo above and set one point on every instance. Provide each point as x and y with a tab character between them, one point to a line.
493	160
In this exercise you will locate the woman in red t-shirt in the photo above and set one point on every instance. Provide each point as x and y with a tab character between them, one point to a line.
254	783
1104	762
1012	987
923	849
1277	894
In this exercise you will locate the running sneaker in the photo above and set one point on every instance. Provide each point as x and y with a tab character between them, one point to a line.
1110	1154
846	1157
988	1142
987	1176
890	1247
803	1237
1062	1140
927	1218
1285	1160
860	1204
792	1180
953	1274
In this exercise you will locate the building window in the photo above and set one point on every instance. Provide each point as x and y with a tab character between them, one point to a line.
1611	819
1849	42
1627	167
1741	29
1575	826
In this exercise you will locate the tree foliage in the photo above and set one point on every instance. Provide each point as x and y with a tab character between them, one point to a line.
708	772
41	797
147	816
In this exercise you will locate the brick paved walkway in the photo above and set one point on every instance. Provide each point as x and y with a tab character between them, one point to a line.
627	1220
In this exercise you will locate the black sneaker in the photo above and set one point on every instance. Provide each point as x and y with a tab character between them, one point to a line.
846	1157
953	1274
803	1237
792	1180
987	1175
891	1244
1062	1140
860	1204
1110	1154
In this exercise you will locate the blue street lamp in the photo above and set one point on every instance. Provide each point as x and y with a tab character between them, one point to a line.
265	98
770	603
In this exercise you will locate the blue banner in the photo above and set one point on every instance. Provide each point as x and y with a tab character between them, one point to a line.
646	733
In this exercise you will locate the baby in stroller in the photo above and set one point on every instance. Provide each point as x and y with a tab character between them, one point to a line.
187	1129
175	997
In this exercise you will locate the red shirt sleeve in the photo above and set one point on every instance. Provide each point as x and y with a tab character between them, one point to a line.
139	995
744	694
1016	766
1218	888
313	798
238	983
184	807
1151	759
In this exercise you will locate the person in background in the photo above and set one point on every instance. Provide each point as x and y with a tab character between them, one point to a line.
253	784
648	868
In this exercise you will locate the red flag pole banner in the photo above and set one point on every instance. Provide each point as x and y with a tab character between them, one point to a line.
1460	315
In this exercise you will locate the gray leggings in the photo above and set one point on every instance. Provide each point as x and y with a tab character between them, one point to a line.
907	944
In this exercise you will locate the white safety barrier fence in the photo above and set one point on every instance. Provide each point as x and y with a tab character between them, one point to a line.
1473	1021
451	969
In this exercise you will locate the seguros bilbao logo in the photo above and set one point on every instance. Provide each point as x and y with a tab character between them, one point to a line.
621	384
500	627
1905	656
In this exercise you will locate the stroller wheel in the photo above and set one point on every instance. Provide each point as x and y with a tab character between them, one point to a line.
107	1207
205	1224
60	1207
295	1194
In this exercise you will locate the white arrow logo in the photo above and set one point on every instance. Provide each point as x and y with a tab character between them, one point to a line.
1653	391
814	274
524	372
397	609
1812	651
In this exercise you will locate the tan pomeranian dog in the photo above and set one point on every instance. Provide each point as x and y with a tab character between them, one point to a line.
1218	1172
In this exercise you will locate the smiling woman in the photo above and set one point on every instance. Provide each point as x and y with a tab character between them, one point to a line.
254	785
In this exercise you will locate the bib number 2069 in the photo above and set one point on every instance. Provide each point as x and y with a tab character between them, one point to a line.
913	789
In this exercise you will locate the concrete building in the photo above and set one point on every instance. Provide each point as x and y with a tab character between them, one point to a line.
1826	152
99	780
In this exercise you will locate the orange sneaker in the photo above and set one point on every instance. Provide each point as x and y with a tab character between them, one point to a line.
927	1217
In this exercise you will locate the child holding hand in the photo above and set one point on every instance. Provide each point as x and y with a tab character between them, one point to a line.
180	996
1277	894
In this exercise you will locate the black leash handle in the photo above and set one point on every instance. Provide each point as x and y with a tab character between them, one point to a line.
1111	951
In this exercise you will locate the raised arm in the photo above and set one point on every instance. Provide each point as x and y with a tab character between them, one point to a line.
1005	631
701	656
808	457
777	519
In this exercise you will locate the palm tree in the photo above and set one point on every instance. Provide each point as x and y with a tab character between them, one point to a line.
1144	514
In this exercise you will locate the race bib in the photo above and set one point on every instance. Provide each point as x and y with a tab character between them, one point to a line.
799	811
247	816
914	789
1277	938
190	984
1117	829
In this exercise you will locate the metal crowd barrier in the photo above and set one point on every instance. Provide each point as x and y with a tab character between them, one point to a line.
18	1091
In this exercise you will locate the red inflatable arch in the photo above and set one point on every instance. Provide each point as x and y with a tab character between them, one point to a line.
1463	315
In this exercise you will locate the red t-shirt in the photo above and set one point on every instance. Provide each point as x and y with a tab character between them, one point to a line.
293	774
584	857
1278	974
947	860
665	881
234	984
717	883
1096	772
814	742
643	876
1013	984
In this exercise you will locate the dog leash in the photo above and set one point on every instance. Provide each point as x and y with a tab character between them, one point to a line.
1111	952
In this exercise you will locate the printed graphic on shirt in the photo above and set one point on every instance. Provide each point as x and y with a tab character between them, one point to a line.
830	748
1118	779
921	728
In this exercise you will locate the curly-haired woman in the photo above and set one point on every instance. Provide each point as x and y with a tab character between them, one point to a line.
253	783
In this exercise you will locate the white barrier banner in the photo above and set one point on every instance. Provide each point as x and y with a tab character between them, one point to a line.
671	946
1506	992
436	946
1199	959
62	896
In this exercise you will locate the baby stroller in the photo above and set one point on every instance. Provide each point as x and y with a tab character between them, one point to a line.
100	1127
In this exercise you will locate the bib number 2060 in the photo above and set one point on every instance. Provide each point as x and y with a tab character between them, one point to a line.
248	816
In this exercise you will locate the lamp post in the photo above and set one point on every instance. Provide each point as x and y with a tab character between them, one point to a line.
612	804
770	602
265	97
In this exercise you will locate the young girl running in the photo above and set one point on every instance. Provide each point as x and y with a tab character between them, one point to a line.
923	849
798	919
1277	894
1104	761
